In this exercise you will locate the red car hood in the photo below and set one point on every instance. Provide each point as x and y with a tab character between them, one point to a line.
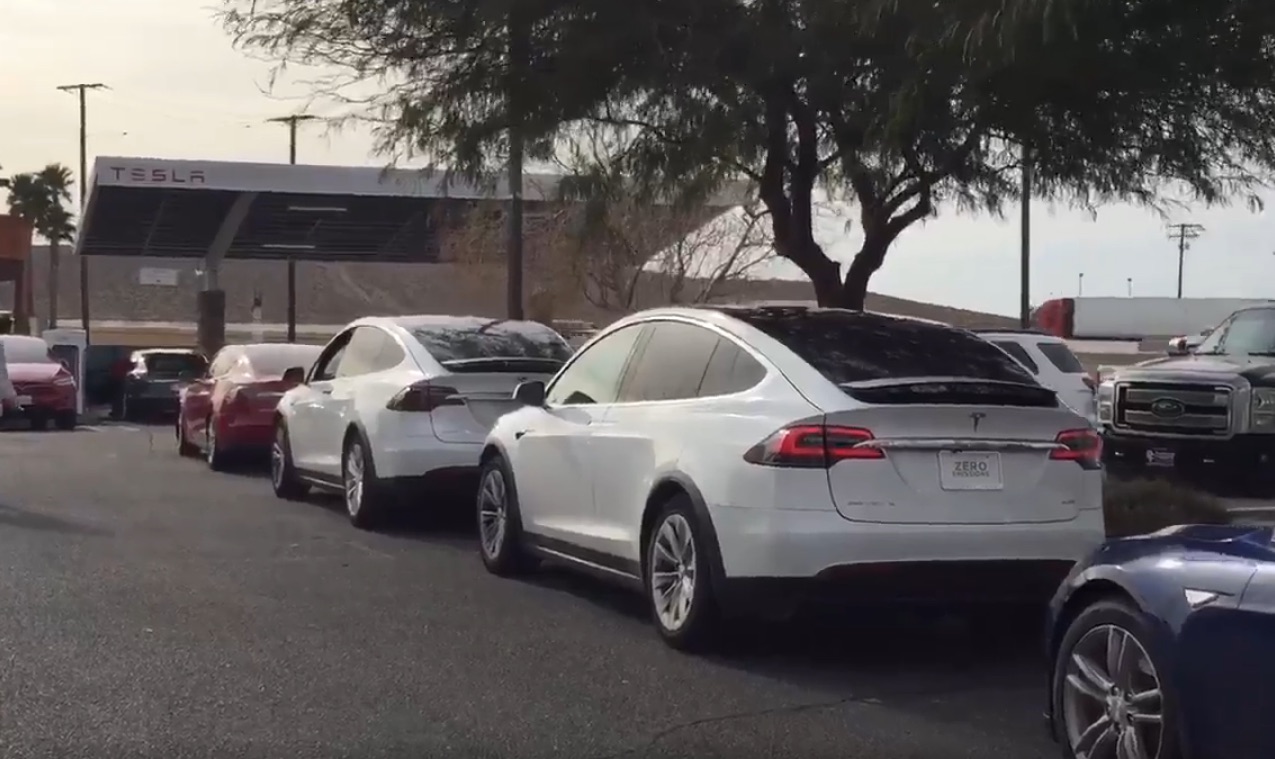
33	372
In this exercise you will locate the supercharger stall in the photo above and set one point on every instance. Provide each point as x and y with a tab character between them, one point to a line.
68	346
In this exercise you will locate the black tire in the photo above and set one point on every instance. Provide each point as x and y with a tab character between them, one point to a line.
1122	614
39	422
184	446
700	626
66	420
503	551
373	504
217	456
283	475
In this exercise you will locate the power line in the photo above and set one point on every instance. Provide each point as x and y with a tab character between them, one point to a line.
1184	233
82	89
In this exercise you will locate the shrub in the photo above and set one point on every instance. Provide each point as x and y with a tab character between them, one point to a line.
1136	507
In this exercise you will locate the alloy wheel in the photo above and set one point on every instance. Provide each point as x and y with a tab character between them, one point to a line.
354	479
276	459
673	572
210	443
492	512
1111	699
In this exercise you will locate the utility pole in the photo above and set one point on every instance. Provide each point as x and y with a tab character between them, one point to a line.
82	89
518	55
292	122
1080	284
1128	284
1184	233
1025	245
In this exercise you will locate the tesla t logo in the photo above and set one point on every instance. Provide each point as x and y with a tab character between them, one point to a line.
977	418
157	176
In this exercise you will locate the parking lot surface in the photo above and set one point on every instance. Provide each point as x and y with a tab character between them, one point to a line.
149	607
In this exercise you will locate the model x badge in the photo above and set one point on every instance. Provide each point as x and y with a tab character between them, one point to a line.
1167	408
977	417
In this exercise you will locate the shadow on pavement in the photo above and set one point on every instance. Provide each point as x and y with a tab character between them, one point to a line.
11	516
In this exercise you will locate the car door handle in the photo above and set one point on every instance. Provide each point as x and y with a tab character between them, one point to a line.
326	391
518	435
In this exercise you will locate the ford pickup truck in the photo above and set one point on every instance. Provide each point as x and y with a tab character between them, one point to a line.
1209	411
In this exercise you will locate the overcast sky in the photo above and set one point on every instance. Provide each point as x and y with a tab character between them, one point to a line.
179	90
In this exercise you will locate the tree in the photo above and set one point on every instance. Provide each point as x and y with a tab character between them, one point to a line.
901	106
39	198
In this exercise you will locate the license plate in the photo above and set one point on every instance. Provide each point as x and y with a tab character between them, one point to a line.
970	470
24	400
1160	457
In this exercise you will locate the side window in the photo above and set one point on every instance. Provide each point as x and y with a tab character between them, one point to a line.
730	370
325	368
391	354
1019	353
671	365
362	352
594	377
1251	332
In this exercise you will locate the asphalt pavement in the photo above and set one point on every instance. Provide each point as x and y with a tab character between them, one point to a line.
152	608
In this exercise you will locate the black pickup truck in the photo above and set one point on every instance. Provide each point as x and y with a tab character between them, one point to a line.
1210	411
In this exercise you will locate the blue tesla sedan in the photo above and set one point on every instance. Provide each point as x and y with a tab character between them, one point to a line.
1163	647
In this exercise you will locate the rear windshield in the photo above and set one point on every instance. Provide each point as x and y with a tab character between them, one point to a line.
274	360
495	339
1019	353
26	350
176	364
850	346
1061	356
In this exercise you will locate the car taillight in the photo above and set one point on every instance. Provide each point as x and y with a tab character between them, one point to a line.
424	397
1081	446
816	446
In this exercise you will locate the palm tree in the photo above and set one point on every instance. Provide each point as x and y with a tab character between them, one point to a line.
40	198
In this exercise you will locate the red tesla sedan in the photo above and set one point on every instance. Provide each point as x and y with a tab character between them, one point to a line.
46	389
229	412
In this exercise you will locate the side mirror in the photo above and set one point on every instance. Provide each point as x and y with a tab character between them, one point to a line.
295	375
1178	347
531	393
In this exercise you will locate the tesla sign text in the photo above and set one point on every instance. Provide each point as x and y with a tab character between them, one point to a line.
157	176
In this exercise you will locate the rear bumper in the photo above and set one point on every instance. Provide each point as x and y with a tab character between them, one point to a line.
938	584
819	554
41	410
149	404
448	483
249	436
417	457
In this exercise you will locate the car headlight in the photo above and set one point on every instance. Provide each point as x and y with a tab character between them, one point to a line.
1262	407
1105	400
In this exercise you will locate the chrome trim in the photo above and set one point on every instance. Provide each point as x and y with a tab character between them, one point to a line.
583	562
1218	397
959	444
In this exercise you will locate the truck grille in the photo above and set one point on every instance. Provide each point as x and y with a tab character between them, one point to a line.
1173	409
